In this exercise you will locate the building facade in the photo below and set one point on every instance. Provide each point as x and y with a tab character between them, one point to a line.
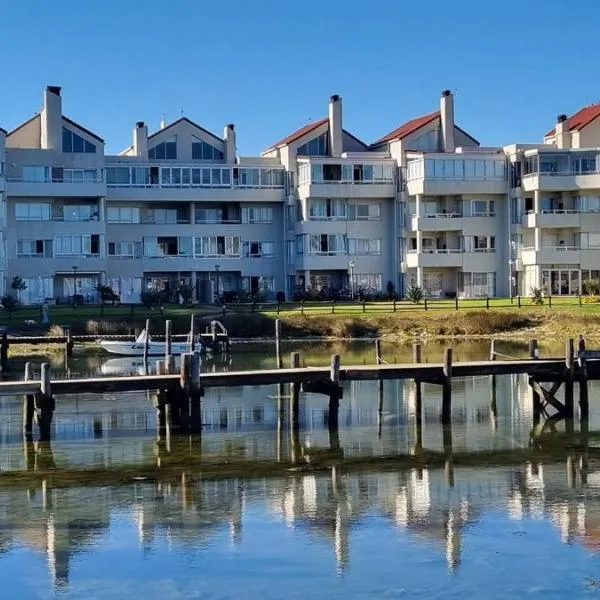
320	212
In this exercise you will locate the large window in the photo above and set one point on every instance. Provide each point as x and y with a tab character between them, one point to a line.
31	248
473	285
328	209
217	246
122	214
326	244
77	245
364	246
75	143
368	281
121	249
482	208
484	243
164	150
203	151
364	212
32	211
258	249
80	212
261	214
318	146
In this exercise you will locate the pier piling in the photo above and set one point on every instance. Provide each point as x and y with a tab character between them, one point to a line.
278	355
447	387
168	339
569	373
28	405
294	391
44	404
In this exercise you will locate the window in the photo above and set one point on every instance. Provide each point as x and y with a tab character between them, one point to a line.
318	146
75	143
121	249
364	212
203	151
258	249
77	245
258	214
36	174
364	246
76	176
472	285
30	248
213	246
368	281
482	208
34	211
330	209
122	214
483	243
165	150
80	212
325	244
299	245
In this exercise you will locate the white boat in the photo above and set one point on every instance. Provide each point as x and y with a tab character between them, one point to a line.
136	348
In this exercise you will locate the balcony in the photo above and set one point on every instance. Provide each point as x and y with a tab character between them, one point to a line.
346	178
448	257
216	183
91	187
438	222
458	174
561	181
552	219
569	255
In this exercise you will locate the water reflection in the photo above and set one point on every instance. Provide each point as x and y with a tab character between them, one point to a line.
107	492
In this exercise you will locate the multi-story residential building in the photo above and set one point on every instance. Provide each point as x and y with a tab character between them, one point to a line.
319	210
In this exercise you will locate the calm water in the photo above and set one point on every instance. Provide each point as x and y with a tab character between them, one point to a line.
497	529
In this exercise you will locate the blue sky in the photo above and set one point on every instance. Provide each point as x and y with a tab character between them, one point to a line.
270	65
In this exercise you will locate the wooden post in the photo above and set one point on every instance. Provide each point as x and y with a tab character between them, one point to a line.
294	392
487	302
195	396
4	352
534	353
418	391
213	331
584	407
68	343
147	343
447	388
334	396
378	356
160	367
278	356
519	301
537	403
425	302
335	369
456	301
493	350
168	339
161	414
28	405
570	366
192	334
45	404
170	365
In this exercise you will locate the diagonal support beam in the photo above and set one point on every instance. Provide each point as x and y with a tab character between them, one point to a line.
548	397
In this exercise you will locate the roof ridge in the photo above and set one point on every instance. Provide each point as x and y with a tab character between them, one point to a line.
407	128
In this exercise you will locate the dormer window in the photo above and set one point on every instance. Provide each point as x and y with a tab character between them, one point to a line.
164	150
75	143
203	151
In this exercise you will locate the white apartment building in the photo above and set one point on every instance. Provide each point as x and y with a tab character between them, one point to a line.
319	210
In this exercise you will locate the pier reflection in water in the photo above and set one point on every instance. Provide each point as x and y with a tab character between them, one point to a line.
387	527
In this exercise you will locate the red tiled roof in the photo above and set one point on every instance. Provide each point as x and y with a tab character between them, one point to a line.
408	128
581	118
298	133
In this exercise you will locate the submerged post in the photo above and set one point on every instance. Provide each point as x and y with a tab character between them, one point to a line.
447	387
147	344
584	407
418	391
334	396
534	352
192	334
278	357
195	396
68	343
493	350
378	355
569	372
44	404
294	391
168	339
28	405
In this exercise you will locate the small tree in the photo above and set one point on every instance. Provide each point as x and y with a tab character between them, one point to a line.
19	285
391	291
149	298
107	294
537	296
415	294
591	287
10	304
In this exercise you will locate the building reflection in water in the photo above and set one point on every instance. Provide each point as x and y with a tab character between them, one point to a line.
422	503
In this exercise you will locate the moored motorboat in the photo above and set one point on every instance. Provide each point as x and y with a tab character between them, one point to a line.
155	348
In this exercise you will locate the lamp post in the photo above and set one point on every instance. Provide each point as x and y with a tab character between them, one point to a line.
217	267
351	266
74	283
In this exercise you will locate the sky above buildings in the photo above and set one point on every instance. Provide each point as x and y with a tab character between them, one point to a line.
270	66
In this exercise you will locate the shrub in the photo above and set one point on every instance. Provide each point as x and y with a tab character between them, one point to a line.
150	298
10	304
18	284
591	287
415	294
107	294
280	297
537	296
391	291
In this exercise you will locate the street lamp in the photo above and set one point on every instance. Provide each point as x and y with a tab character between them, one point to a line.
351	266
74	283
217	267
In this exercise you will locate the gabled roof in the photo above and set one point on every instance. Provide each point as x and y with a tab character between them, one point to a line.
408	128
581	118
66	119
90	133
296	135
190	122
3	130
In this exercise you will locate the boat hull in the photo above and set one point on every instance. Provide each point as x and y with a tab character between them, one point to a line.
137	349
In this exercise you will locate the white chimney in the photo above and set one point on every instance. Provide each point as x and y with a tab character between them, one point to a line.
563	134
163	122
230	147
335	125
447	118
140	139
51	119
